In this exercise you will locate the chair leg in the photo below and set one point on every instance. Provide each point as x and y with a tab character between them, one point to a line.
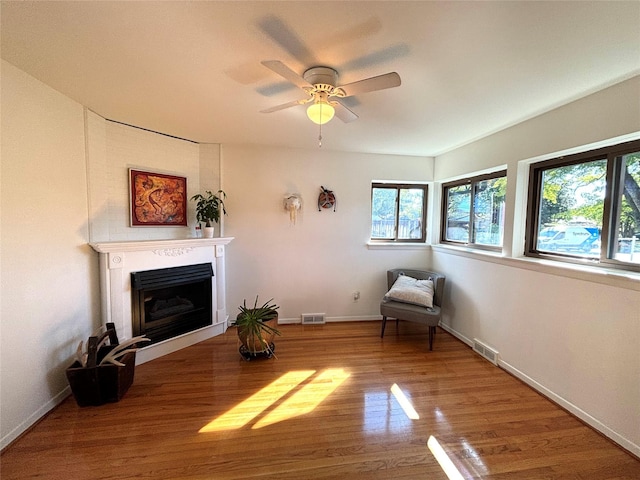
432	333
384	324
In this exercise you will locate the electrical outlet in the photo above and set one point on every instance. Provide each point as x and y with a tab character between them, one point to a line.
356	296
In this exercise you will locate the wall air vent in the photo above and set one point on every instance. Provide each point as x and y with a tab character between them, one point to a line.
486	351
313	318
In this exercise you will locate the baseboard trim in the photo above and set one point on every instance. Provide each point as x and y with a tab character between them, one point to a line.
144	355
456	334
573	409
34	418
359	318
557	399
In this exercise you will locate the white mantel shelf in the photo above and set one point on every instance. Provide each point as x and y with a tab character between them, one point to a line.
141	245
119	259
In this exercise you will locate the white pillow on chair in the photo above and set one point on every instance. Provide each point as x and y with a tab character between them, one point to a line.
407	289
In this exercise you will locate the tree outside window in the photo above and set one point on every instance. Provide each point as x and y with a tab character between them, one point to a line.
398	212
571	208
474	211
587	206
627	211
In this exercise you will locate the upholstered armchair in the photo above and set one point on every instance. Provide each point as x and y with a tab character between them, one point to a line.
405	304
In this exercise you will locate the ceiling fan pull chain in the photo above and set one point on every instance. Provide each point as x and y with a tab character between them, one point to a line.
320	134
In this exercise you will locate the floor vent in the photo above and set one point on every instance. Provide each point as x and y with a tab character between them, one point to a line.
313	318
486	351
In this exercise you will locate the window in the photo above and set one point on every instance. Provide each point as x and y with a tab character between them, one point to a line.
586	207
473	211
398	212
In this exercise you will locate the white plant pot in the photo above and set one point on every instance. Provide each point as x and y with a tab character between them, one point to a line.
208	232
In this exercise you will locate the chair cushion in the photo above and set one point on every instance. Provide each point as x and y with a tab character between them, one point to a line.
410	290
411	313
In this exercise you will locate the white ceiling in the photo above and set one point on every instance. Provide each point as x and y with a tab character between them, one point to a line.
192	69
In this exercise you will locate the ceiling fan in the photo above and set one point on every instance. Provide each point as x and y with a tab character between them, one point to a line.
320	85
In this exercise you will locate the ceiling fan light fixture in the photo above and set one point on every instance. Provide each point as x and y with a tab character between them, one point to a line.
320	112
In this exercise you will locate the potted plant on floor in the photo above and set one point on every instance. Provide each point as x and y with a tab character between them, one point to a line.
208	209
257	329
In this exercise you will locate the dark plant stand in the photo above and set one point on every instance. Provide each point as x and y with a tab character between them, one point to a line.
96	384
248	355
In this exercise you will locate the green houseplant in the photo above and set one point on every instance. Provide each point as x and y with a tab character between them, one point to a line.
257	328
208	209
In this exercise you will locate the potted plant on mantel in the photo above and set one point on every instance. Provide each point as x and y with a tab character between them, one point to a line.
208	208
257	329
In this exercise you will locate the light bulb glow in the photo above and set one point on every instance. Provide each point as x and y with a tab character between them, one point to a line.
320	112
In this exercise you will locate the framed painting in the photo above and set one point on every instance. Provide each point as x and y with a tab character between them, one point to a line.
157	199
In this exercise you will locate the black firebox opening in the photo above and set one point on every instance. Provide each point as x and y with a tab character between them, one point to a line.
168	302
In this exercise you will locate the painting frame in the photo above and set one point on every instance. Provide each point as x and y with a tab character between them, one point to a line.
157	199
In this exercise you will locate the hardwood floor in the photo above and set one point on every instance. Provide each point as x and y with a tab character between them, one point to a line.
323	409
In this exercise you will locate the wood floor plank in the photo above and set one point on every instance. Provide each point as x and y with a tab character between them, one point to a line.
322	409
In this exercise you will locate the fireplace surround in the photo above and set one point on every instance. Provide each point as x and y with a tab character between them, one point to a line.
120	261
168	302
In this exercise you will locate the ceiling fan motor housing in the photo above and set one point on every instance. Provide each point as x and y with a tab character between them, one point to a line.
321	76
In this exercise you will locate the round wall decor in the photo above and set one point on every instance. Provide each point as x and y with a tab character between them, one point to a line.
326	199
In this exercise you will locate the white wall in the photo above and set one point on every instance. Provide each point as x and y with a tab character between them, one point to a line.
606	114
315	265
114	149
49	278
572	333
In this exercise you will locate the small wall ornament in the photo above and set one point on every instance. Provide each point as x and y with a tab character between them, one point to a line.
326	199
292	204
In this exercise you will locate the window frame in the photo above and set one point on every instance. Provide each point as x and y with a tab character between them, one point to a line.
471	181
610	215
399	186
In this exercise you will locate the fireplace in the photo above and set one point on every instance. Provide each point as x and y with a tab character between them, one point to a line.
121	278
169	302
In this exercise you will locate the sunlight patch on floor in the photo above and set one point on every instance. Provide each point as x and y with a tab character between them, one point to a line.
307	398
443	459
404	402
302	401
470	461
250	408
381	412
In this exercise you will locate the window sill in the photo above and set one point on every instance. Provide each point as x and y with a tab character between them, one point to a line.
397	246
591	273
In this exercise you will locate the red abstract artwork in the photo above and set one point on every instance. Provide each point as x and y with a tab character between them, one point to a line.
158	199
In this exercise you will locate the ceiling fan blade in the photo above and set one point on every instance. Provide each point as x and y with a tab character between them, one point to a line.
284	36
343	113
388	80
378	57
294	103
281	69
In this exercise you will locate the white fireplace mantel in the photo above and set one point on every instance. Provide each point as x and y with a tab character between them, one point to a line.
119	259
141	245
